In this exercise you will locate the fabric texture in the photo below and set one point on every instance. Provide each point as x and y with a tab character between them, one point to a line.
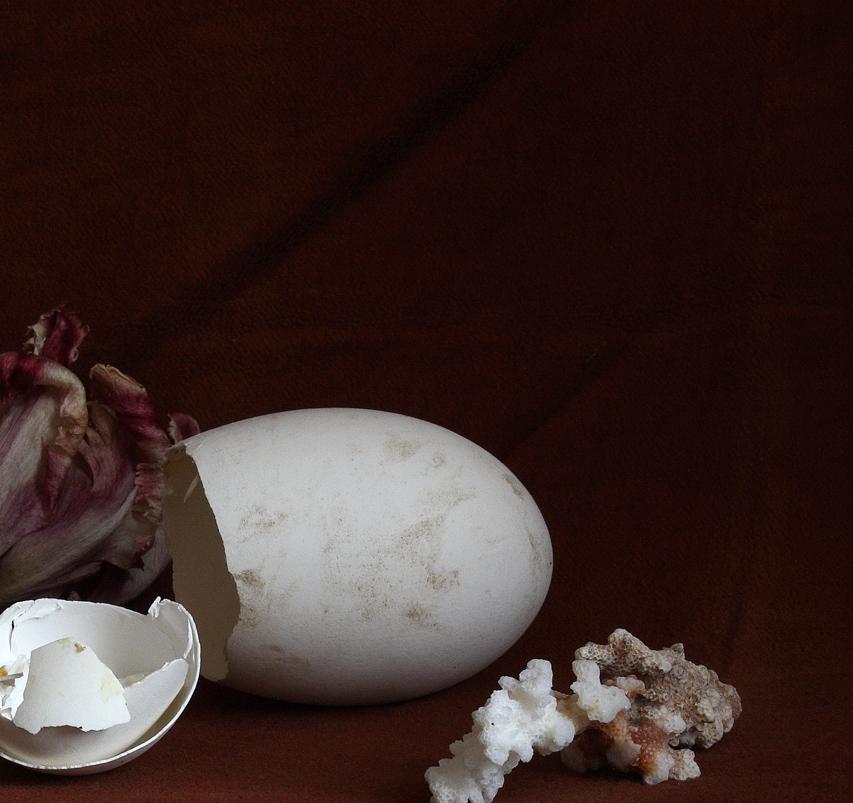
610	243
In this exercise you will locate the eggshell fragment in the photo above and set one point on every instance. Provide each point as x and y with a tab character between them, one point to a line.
341	556
87	662
66	684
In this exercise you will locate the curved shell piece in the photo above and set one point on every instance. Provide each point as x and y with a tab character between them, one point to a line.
134	675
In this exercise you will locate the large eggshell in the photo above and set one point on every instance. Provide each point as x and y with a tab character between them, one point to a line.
340	556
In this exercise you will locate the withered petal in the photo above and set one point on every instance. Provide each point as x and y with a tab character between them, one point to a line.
129	400
182	426
56	336
43	419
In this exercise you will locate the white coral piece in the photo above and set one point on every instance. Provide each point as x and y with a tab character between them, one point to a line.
523	717
649	703
599	703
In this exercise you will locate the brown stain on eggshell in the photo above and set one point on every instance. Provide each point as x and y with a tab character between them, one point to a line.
438	459
295	662
260	520
534	547
354	573
541	564
250	578
446	499
514	484
420	543
418	615
419	539
397	448
248	615
442	581
252	582
288	660
372	577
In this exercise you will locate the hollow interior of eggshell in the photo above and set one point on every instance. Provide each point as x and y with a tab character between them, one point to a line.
201	579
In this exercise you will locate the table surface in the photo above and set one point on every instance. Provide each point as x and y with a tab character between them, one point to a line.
608	243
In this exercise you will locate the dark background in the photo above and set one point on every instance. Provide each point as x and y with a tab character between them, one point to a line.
608	242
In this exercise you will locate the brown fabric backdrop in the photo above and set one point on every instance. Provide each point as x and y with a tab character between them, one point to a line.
608	242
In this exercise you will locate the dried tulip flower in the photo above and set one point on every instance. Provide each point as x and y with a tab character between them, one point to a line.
81	481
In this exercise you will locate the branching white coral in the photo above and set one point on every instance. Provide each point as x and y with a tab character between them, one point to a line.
649	703
524	716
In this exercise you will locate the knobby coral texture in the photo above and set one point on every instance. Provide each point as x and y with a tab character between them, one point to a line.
674	703
631	707
81	481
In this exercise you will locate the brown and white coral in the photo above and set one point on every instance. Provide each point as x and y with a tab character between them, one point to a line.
674	704
631	708
81	482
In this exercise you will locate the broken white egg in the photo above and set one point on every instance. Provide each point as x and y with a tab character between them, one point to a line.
341	556
86	687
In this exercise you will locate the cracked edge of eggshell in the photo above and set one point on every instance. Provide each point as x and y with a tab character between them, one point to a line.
210	589
183	669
